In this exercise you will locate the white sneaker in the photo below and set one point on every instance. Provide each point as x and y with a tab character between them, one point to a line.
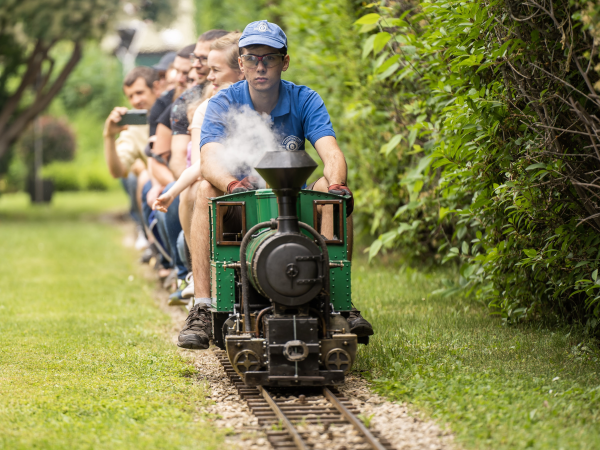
188	292
141	243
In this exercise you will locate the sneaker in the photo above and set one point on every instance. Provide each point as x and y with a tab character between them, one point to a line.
141	242
188	291
176	298
359	325
148	254
197	332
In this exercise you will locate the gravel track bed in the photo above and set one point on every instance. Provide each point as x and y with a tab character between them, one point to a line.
398	423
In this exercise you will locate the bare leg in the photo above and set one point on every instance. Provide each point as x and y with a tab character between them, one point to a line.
200	239
187	198
326	213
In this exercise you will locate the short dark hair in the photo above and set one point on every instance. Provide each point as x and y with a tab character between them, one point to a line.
212	35
185	51
149	75
282	50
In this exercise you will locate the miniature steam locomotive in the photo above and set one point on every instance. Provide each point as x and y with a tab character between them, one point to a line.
282	289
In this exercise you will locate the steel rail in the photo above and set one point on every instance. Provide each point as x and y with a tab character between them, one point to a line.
373	442
286	422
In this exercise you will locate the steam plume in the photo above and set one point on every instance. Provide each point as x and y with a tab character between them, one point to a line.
249	136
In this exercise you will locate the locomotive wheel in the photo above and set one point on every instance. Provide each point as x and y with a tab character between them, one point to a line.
338	359
246	360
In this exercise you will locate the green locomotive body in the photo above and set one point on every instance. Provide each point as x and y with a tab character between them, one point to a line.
261	206
281	291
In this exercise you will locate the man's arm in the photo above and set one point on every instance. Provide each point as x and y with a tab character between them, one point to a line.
159	172
212	169
111	129
195	145
178	162
335	169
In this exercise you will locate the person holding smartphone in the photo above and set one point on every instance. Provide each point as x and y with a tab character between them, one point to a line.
141	87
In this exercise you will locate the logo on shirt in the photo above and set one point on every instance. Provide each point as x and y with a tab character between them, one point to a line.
292	143
262	27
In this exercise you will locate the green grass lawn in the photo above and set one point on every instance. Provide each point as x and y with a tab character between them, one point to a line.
85	360
497	387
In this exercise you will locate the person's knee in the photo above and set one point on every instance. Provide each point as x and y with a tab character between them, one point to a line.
205	187
321	185
207	190
188	196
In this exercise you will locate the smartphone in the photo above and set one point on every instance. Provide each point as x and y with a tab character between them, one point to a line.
134	117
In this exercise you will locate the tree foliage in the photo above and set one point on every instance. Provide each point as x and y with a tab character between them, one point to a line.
41	42
512	129
471	129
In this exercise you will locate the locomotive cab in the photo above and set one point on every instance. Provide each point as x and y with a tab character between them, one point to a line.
282	289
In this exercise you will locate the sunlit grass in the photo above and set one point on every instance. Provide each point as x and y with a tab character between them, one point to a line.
65	206
84	358
498	387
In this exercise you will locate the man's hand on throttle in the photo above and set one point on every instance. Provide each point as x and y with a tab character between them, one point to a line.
111	129
342	189
246	184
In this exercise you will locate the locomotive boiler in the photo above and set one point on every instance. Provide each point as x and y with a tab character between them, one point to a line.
282	288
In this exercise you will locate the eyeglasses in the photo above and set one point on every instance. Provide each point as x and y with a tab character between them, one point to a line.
269	60
201	59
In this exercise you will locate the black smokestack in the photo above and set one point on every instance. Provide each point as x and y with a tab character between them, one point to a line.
286	172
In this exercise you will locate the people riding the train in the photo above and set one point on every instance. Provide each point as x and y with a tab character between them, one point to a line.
169	153
298	113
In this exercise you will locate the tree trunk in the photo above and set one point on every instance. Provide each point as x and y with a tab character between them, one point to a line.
12	124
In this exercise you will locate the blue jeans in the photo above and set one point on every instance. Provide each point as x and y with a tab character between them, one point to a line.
181	250
130	186
169	228
148	216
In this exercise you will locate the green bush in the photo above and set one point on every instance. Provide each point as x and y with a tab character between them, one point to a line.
78	177
511	116
97	179
66	177
58	141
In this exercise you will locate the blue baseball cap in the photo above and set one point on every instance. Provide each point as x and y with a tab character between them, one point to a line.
263	33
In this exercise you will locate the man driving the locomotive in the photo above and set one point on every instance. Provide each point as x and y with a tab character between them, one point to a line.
298	113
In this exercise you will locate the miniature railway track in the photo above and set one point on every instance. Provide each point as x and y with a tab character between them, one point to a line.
293	420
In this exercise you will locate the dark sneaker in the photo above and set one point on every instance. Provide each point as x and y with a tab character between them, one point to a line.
359	325
197	332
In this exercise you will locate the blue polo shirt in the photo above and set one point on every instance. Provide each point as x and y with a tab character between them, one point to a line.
299	114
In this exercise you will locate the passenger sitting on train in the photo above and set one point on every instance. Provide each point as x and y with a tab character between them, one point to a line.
170	154
299	113
125	155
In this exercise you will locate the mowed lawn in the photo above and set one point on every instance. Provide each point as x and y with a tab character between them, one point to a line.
496	387
85	359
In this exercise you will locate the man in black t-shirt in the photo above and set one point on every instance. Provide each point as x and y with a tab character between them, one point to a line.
182	65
